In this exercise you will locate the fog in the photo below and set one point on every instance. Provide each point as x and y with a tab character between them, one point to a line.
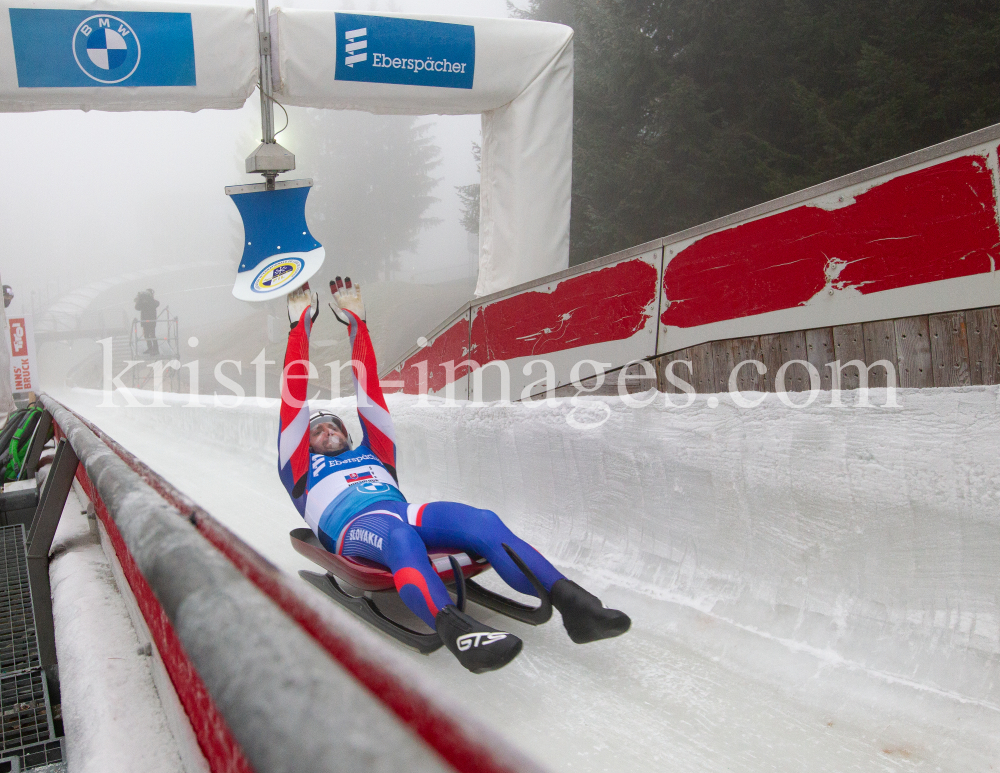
97	206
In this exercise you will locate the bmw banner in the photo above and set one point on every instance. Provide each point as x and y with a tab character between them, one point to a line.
138	48
126	56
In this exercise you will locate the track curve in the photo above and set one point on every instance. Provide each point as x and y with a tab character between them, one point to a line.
811	588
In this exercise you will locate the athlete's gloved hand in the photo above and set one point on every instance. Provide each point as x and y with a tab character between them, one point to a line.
346	297
300	300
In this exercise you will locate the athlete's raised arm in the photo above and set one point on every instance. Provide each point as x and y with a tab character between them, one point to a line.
293	431
376	423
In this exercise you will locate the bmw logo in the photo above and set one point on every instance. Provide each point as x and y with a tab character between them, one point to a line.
106	48
373	488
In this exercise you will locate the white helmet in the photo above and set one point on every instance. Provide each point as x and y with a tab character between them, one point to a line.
325	417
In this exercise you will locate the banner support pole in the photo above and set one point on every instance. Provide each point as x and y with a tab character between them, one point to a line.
264	44
269	159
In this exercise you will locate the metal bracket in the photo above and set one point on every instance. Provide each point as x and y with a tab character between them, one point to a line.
269	159
505	606
364	607
55	490
456	570
38	440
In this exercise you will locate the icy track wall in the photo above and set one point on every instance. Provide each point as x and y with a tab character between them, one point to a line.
913	236
268	682
868	536
865	537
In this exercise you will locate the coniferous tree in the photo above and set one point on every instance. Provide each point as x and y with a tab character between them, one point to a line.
372	186
686	110
468	196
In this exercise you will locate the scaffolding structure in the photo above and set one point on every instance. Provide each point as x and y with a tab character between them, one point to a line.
29	736
154	341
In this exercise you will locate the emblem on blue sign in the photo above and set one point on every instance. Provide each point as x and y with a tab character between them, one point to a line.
409	52
277	274
106	48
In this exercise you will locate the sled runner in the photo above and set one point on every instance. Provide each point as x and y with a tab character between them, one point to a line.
454	569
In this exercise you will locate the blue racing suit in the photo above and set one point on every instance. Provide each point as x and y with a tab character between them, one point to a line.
352	501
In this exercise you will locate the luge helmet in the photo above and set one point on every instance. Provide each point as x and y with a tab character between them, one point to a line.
317	418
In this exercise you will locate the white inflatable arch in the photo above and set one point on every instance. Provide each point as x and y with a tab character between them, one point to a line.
517	74
181	56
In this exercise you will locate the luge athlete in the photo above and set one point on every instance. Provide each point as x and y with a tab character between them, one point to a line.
351	500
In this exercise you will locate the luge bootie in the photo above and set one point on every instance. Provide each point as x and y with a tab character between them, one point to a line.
585	618
477	646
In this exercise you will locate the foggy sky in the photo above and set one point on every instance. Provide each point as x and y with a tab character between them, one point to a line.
91	196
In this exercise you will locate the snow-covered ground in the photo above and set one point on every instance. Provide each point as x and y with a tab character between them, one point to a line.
112	713
811	589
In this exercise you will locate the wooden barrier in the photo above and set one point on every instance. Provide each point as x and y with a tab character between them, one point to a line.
960	348
895	262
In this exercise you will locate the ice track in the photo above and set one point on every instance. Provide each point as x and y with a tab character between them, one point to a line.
811	590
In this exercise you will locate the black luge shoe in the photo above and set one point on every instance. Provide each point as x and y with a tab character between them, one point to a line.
478	647
586	619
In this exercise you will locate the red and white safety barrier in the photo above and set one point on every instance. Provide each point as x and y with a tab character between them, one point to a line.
915	235
267	681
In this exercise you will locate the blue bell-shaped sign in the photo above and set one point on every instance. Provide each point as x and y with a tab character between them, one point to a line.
279	253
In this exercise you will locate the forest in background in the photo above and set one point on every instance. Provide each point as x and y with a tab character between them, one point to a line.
688	110
373	184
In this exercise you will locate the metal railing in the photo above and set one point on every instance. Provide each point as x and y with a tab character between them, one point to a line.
264	677
153	340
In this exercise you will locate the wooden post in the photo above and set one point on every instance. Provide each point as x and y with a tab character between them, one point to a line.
770	349
793	347
983	330
722	364
949	349
848	344
702	369
748	379
913	352
880	344
819	352
681	371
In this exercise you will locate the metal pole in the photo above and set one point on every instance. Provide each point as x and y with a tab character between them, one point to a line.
266	103
6	397
269	159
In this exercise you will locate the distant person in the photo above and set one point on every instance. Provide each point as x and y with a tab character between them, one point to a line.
351	500
8	295
146	305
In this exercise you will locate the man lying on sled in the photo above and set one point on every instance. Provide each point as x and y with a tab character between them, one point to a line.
350	498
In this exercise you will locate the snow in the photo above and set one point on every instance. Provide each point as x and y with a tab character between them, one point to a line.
112	715
811	588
